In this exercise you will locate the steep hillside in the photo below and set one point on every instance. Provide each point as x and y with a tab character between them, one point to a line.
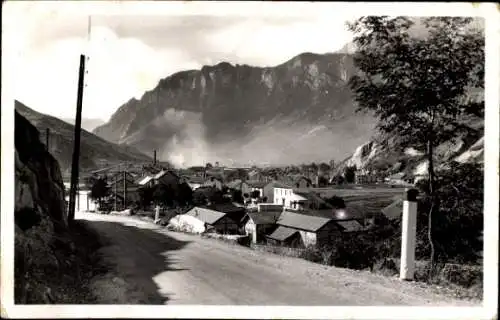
94	152
301	110
87	124
386	153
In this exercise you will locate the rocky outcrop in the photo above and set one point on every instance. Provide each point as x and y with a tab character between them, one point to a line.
301	110
40	214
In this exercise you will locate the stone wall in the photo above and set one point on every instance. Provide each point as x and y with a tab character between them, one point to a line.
40	215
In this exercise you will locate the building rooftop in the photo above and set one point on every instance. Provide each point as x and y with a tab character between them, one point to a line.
282	233
206	215
264	217
302	221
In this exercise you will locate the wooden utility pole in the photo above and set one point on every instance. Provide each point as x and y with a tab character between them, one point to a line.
76	143
115	183
47	139
154	158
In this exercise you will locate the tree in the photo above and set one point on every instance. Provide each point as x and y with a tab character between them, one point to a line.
184	194
162	195
350	174
209	165
458	227
237	196
146	196
255	194
417	87
324	167
99	189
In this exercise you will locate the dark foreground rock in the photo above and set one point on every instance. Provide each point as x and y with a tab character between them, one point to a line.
53	261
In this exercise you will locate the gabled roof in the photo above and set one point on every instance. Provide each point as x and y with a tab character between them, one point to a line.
394	210
302	221
282	233
264	217
226	207
164	172
206	215
350	225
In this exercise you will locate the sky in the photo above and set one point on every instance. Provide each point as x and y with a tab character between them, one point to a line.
129	53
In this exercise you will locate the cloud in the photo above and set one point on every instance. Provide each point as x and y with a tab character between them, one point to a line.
130	53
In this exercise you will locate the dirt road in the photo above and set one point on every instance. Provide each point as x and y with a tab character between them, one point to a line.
155	266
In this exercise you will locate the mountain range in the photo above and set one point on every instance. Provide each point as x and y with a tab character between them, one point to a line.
95	152
299	111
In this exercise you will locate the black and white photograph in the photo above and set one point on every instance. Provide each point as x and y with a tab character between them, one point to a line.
276	156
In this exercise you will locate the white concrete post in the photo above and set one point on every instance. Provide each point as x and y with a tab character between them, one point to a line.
409	232
157	213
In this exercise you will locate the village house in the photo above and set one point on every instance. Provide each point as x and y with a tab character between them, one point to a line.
145	182
256	175
124	188
215	182
167	178
295	199
205	219
296	181
363	176
300	230
238	184
265	189
194	182
259	224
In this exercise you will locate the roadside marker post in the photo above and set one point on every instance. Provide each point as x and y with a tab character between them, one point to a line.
409	232
157	213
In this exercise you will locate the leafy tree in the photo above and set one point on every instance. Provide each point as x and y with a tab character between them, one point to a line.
255	194
209	165
184	194
146	196
338	179
324	167
99	189
459	224
246	195
264	199
336	202
163	195
350	174
417	86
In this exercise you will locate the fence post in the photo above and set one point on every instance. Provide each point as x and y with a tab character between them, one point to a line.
409	232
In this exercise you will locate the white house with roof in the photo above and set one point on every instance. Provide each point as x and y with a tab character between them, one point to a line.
202	219
296	199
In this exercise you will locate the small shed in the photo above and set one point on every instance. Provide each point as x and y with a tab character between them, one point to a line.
286	236
313	230
258	224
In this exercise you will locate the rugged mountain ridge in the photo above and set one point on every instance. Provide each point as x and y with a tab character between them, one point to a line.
301	110
94	151
386	154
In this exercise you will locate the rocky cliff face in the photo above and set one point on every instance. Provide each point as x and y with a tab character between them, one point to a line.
40	214
301	110
385	153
